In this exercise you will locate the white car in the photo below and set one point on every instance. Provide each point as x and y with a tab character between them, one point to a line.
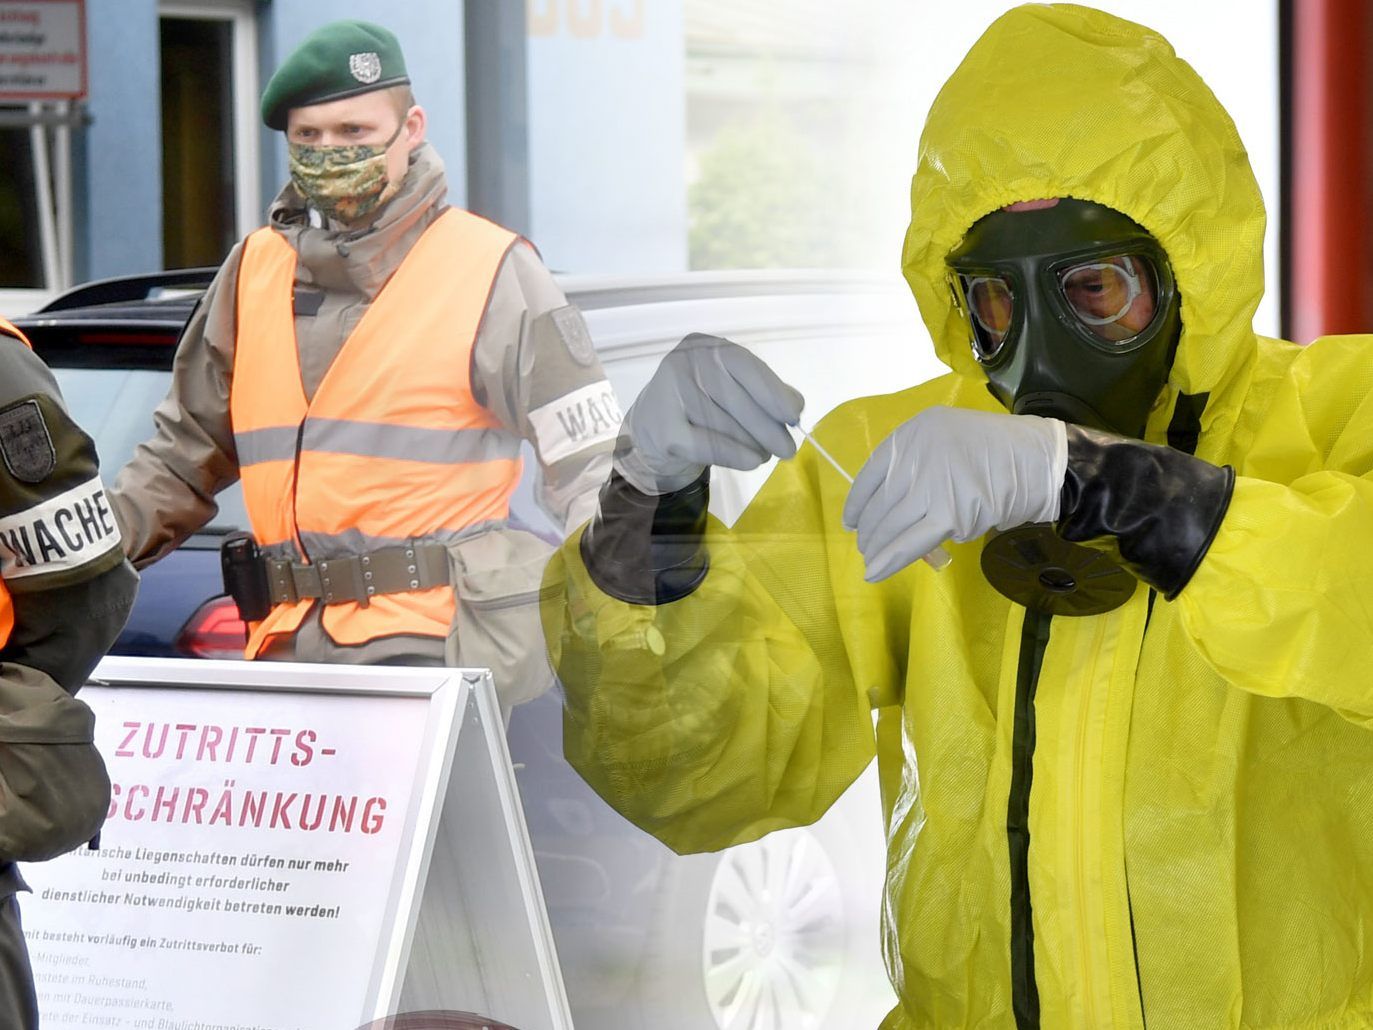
780	934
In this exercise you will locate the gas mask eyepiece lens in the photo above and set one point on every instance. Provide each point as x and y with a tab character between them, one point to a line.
991	304
1114	298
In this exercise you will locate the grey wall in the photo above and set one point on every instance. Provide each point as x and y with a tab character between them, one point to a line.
497	113
118	178
607	132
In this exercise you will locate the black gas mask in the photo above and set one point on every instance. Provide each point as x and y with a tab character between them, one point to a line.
1073	314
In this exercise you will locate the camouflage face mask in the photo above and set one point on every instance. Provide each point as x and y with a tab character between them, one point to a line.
344	183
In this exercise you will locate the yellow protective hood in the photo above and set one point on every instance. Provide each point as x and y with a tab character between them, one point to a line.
1066	101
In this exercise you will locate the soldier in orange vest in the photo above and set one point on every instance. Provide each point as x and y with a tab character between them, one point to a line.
369	363
65	591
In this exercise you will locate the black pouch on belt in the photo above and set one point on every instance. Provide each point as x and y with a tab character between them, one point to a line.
245	576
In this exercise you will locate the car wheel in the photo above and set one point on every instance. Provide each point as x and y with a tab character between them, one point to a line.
758	937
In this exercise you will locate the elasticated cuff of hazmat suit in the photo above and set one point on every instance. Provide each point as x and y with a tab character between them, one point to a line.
1156	508
647	549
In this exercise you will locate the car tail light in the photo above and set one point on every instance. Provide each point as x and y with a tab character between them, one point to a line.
124	339
214	631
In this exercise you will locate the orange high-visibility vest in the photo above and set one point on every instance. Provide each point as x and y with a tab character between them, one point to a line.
6	604
393	447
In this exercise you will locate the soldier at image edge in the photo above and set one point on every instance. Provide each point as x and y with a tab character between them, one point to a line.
65	592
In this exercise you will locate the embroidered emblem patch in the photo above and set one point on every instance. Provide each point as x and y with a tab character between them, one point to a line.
25	442
366	68
572	328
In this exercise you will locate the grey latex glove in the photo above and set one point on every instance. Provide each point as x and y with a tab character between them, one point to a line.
710	402
953	474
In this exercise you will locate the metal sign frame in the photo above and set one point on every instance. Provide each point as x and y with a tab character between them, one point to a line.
463	733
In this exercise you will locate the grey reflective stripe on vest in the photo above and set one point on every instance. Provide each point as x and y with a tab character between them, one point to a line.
408	443
377	440
286	549
262	445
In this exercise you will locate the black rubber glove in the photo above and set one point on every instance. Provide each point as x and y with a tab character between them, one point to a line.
1155	508
646	548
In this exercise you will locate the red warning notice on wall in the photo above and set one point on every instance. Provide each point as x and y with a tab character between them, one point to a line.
42	49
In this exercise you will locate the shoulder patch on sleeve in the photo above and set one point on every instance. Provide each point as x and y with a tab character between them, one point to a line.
572	329
25	443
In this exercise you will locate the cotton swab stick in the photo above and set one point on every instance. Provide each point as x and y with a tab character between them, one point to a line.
937	559
825	454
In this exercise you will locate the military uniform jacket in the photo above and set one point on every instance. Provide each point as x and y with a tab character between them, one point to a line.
531	360
68	588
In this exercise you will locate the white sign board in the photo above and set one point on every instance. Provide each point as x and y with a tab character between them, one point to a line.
42	49
266	851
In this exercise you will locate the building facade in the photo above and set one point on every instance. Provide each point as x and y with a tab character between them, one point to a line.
164	163
620	136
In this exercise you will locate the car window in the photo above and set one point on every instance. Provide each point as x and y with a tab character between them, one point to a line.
115	406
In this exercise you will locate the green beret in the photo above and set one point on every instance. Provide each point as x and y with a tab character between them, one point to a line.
341	59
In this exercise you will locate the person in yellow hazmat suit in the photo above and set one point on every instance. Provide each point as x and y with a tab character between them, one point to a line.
1123	738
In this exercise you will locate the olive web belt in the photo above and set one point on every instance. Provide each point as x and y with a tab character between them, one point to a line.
358	577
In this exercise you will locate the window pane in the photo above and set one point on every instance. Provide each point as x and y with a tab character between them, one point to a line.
197	142
21	260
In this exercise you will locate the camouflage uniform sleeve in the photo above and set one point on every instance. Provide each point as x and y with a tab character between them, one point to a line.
535	368
166	491
60	554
